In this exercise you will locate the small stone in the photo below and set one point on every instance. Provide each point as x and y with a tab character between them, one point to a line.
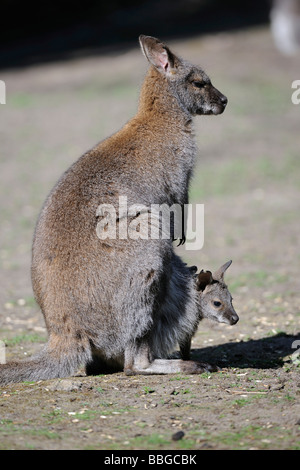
8	306
177	436
65	385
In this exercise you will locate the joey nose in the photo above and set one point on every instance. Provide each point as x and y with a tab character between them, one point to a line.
234	319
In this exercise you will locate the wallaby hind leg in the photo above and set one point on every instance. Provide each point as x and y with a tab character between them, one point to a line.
138	362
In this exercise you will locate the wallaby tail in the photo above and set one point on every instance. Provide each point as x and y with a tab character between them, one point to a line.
48	364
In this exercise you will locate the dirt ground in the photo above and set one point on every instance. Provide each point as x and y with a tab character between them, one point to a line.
248	178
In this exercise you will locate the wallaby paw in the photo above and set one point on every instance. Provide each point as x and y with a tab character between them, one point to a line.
193	367
182	241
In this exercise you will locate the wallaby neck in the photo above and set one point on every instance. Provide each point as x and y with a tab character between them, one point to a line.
158	102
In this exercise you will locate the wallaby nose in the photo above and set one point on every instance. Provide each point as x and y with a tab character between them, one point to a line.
224	100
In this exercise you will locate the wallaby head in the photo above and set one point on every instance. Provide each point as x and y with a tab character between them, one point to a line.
214	299
188	83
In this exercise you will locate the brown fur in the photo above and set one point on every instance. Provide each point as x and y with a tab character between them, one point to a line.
101	298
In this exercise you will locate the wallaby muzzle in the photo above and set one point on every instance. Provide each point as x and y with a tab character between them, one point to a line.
220	103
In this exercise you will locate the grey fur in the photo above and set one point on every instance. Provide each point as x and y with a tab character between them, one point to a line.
177	319
122	303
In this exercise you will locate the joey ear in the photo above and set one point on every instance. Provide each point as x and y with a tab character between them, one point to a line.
219	274
203	279
157	53
193	269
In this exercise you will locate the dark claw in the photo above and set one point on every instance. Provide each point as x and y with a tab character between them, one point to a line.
182	241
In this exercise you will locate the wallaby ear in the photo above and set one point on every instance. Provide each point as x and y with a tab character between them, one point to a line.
219	274
203	279
157	53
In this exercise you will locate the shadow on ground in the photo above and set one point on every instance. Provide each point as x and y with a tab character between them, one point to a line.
264	353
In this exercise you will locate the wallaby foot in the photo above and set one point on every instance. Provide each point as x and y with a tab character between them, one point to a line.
170	366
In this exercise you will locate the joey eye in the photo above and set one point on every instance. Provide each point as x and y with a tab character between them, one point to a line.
199	84
217	303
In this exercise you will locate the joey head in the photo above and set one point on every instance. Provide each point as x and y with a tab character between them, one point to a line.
215	300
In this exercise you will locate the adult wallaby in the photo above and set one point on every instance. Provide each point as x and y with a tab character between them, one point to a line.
105	301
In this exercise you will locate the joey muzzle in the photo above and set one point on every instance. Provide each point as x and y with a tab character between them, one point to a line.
233	319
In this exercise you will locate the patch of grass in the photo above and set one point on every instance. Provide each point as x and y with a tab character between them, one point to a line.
54	416
6	421
42	433
22	100
258	437
7	427
239	439
240	175
152	441
105	409
187	444
147	442
30	301
228	178
148	390
88	415
25	338
289	397
179	377
276	333
259	278
26	301
205	375
241	401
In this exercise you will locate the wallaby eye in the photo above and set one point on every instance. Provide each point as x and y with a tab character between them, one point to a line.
199	84
217	303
